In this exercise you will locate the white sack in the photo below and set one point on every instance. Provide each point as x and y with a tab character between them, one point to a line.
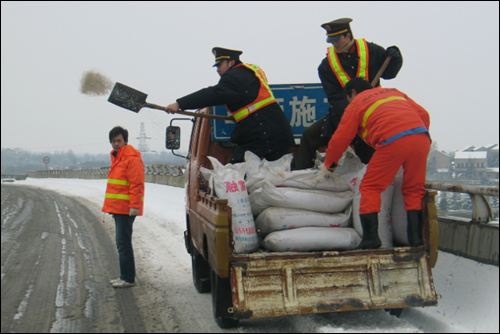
307	239
276	219
229	184
312	200
349	167
384	216
398	212
319	161
303	179
254	163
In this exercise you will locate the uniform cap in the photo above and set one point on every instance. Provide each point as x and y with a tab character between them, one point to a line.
336	28
225	54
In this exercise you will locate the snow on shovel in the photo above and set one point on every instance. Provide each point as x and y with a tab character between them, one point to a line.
131	99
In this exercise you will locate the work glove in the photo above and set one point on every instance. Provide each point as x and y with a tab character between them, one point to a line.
134	212
393	51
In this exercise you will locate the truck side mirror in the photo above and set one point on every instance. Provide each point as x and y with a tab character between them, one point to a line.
173	138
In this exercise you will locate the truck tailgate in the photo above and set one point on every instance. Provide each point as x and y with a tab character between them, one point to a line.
275	284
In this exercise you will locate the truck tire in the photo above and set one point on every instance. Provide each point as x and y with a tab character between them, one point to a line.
201	271
222	301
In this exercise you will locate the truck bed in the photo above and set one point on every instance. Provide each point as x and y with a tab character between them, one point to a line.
267	284
274	284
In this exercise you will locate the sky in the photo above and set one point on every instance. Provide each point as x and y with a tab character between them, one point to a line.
450	52
455	278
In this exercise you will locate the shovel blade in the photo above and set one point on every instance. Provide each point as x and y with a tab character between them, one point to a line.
127	97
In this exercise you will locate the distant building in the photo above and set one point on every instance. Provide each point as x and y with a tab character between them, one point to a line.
487	148
492	155
468	149
471	164
492	175
439	163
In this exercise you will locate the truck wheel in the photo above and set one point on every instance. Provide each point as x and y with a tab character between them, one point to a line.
201	271
222	301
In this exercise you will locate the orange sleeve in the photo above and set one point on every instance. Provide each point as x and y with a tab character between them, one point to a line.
342	137
135	175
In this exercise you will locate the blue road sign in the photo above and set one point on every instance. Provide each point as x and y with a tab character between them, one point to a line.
303	104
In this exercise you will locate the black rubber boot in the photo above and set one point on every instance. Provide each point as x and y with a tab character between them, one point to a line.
414	228
370	239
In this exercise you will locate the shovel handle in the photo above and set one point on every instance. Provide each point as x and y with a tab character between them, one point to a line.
189	113
382	69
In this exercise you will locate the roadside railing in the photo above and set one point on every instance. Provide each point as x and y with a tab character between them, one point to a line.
165	174
162	174
477	238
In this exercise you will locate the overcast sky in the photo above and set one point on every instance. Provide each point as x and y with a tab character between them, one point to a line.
450	51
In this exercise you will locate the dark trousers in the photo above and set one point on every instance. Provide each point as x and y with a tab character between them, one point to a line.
123	224
312	139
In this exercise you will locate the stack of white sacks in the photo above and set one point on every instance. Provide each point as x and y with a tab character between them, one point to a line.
305	210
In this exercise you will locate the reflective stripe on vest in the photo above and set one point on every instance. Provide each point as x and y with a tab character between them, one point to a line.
120	182
363	62
264	98
118	196
415	131
374	106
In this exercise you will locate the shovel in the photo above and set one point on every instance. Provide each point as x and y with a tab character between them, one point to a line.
131	99
382	69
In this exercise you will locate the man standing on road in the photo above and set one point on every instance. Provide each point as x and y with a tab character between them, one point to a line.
124	200
261	125
398	128
346	58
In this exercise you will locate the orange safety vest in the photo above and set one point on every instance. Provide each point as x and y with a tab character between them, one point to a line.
125	188
363	62
264	98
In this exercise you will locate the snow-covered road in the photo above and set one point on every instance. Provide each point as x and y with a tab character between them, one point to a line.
469	290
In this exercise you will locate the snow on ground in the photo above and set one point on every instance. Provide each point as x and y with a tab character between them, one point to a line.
469	290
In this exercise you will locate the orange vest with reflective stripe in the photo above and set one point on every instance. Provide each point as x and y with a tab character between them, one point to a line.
363	62
125	188
264	98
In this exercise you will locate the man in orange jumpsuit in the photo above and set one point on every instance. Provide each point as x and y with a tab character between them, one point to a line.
397	127
124	200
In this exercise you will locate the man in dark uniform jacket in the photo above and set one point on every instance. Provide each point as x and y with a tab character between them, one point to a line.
344	61
261	125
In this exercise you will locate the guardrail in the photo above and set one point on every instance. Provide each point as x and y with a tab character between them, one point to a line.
165	174
476	239
162	174
14	176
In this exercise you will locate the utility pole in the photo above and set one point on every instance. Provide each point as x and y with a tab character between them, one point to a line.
143	146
